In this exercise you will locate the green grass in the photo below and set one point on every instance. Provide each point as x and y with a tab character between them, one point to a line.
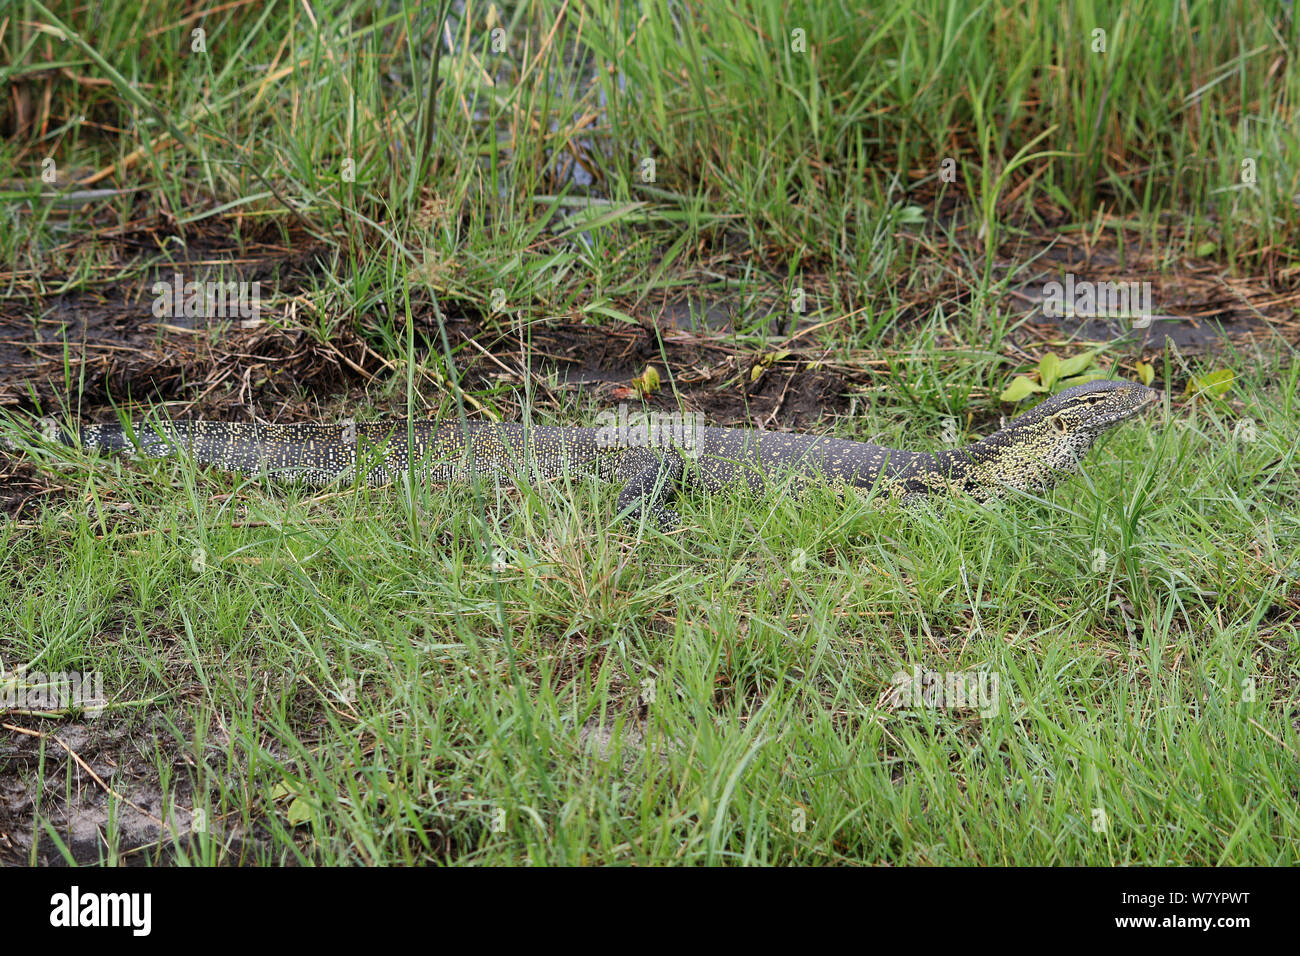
395	670
486	675
768	162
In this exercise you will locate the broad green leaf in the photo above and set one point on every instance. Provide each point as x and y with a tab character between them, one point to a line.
1021	387
1145	372
1049	369
1214	384
1075	365
299	811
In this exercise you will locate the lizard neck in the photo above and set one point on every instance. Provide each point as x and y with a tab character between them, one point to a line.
1014	457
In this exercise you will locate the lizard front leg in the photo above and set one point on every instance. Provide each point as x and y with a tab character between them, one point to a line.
648	489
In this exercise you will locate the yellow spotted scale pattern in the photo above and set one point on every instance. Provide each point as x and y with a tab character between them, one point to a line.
1031	453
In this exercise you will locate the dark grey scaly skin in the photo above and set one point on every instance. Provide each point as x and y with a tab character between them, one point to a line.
1031	453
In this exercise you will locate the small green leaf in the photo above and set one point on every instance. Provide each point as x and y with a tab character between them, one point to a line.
1075	365
1049	369
911	215
767	361
1206	247
1021	387
648	381
1145	372
299	811
1214	384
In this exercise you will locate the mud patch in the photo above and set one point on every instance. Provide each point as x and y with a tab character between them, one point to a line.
700	373
1200	309
106	344
94	787
22	487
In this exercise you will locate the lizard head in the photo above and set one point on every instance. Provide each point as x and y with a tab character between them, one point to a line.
1053	436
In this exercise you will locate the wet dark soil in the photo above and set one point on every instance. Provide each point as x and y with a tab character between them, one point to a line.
84	778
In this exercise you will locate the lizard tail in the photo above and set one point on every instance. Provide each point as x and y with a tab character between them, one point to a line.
50	430
105	439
